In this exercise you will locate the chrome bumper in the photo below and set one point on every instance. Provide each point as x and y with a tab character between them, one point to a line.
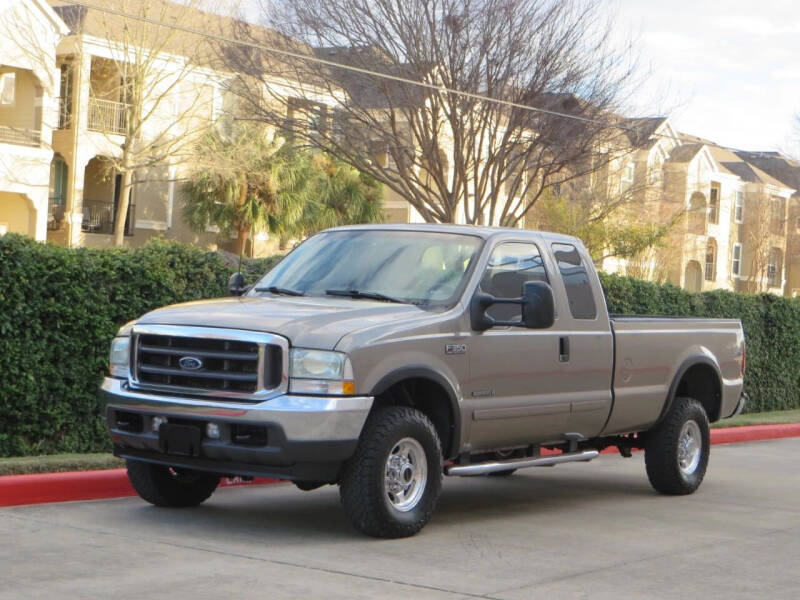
302	418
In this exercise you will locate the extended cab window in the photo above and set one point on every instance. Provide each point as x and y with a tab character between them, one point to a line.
576	281
510	266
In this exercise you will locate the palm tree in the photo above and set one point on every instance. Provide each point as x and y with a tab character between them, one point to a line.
339	195
246	182
252	181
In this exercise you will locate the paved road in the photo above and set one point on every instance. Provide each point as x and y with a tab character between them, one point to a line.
574	531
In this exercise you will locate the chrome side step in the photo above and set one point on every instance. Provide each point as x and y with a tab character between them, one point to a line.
520	463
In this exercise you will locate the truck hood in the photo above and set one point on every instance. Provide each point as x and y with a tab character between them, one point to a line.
311	322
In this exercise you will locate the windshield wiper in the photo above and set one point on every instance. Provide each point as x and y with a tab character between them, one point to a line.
367	295
273	289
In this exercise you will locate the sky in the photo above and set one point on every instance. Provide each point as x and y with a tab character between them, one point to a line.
724	70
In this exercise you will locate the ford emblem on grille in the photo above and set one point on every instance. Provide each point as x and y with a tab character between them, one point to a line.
190	363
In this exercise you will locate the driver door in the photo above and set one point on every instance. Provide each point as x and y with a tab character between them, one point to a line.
517	390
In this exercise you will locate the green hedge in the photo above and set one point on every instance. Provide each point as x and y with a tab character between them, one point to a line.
59	309
771	326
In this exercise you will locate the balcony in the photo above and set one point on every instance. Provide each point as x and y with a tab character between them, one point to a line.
21	137
98	217
107	116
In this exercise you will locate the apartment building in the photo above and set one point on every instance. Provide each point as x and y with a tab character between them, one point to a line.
63	119
736	232
29	33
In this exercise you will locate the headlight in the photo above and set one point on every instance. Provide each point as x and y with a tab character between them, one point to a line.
320	372
119	358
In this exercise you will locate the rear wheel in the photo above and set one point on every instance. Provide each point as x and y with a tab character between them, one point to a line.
391	485
170	487
677	450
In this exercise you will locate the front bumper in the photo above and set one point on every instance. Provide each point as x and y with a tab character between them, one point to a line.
299	437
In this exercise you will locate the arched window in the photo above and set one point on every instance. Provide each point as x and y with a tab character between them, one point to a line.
697	214
711	260
57	193
693	276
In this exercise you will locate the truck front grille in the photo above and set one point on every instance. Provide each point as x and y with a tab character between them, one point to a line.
218	366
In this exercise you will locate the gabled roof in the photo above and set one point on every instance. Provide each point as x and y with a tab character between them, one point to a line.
732	163
640	130
684	153
781	167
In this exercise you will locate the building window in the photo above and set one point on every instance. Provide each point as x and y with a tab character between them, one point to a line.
776	215
775	268
738	207
8	88
626	178
713	205
58	193
736	263
711	260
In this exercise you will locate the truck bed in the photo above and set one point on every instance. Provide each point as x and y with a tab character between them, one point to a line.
651	350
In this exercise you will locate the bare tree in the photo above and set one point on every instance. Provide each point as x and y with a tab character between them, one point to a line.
453	156
153	96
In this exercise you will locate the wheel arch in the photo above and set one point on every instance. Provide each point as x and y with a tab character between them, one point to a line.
436	398
697	377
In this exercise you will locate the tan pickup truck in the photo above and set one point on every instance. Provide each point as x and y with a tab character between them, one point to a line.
381	358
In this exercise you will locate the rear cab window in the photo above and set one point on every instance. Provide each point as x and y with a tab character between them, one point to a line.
576	281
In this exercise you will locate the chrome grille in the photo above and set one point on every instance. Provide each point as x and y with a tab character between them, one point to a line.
206	361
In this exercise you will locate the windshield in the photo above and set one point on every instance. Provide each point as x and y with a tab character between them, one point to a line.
416	267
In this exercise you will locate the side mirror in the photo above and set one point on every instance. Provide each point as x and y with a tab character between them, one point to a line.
236	285
538	308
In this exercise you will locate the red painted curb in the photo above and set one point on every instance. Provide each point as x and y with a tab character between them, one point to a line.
42	488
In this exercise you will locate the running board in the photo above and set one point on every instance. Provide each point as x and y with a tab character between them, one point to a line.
520	463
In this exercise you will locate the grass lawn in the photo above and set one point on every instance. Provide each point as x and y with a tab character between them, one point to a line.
764	418
52	463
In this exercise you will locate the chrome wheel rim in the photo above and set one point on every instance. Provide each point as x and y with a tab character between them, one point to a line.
406	474
690	447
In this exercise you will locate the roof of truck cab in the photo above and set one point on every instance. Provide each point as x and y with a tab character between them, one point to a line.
478	230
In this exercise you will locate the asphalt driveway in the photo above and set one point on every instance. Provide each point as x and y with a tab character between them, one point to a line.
592	530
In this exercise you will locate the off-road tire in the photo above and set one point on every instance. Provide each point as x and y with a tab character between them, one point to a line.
167	487
362	487
662	448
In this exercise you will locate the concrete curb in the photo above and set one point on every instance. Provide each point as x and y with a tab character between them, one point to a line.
42	488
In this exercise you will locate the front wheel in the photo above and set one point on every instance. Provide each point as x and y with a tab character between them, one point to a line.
169	487
676	451
391	485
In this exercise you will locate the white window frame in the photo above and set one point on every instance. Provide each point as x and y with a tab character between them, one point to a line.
736	262
738	207
714	193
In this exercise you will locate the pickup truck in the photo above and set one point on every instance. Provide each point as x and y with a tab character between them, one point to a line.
382	358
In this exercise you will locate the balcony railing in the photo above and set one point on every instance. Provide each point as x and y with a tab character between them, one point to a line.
22	137
98	217
107	116
55	214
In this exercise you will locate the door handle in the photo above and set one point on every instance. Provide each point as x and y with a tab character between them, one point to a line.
563	349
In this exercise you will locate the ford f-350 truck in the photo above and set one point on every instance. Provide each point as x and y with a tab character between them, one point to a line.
381	358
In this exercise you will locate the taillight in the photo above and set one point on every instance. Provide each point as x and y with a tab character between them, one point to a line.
744	355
